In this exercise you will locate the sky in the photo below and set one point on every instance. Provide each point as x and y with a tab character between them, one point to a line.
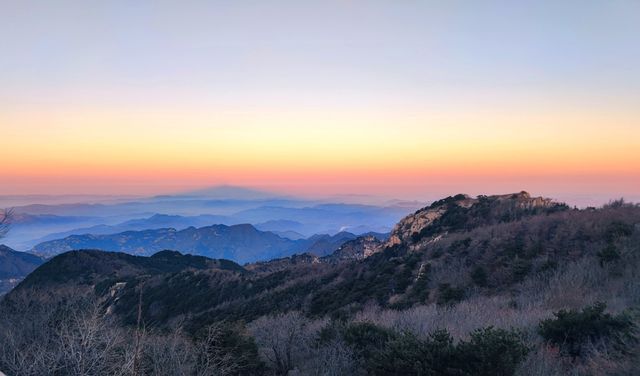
406	99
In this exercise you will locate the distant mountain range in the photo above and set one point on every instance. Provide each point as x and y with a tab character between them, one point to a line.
456	249
241	243
14	266
495	269
289	217
156	221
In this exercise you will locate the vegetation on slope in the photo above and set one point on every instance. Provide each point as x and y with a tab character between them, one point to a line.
513	285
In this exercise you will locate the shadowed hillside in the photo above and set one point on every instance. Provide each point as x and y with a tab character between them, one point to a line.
14	266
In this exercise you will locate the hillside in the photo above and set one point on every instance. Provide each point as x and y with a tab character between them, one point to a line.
93	268
461	264
14	266
473	246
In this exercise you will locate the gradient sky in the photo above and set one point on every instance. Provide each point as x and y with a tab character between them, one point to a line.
398	98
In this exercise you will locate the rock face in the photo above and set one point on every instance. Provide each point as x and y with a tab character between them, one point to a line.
357	249
352	250
523	200
462	212
283	263
414	223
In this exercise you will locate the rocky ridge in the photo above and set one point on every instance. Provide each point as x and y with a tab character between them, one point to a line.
480	210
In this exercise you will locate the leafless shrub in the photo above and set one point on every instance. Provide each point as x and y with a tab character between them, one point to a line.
334	358
70	338
212	359
25	345
545	361
459	320
615	204
86	341
286	340
450	270
602	363
75	337
575	285
168	354
582	283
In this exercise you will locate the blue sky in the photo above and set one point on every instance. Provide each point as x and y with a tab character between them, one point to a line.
361	51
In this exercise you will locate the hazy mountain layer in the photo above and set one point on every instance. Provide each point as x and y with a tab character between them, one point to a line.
241	243
286	216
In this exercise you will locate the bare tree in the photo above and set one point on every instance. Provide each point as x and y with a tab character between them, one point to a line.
67	338
170	354
213	358
286	340
87	341
139	336
5	221
333	358
73	336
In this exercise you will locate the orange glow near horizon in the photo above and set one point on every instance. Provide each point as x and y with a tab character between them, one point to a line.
310	151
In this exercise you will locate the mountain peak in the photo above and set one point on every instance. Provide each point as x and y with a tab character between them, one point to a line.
166	254
462	212
232	192
356	249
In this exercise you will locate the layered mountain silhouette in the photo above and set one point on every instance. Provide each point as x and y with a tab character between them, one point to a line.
488	268
489	243
241	243
290	217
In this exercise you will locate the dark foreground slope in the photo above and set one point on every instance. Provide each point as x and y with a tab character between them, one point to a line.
92	268
476	269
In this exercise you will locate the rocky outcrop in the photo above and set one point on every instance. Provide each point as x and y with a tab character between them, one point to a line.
462	212
413	223
357	249
283	263
523	200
